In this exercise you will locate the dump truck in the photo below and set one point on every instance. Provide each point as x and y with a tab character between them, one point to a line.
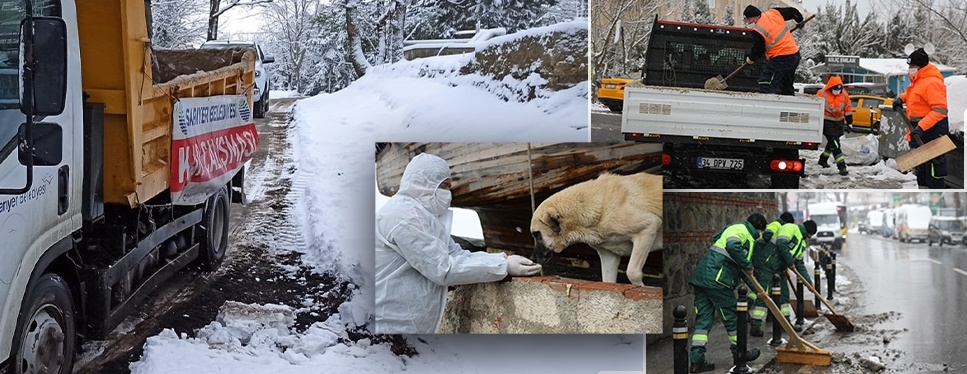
119	166
728	133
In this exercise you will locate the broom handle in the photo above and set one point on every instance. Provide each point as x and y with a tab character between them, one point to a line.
734	72
793	337
821	298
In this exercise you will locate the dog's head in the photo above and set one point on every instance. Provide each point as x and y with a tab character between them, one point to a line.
546	228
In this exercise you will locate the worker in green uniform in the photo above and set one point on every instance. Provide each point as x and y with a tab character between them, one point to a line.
715	279
790	251
766	262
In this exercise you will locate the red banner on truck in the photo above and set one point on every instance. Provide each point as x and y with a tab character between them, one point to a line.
211	139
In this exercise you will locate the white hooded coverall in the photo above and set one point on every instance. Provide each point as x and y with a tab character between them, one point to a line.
416	259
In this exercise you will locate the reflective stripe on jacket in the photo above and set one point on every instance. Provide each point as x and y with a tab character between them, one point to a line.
772	27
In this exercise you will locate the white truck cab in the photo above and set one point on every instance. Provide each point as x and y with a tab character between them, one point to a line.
262	79
828	224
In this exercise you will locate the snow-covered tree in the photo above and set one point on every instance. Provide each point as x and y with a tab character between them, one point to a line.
177	23
216	8
701	13
728	18
619	33
292	31
513	15
565	10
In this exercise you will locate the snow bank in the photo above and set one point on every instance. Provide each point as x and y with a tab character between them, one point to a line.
276	94
956	101
248	338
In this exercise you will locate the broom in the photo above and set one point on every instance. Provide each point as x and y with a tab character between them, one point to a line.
798	350
809	309
838	320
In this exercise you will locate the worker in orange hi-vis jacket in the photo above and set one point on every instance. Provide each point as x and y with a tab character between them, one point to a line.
837	117
926	100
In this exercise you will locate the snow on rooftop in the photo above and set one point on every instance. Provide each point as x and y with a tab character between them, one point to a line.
894	66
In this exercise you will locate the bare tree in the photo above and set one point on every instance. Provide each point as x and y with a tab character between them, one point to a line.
216	9
620	29
292	30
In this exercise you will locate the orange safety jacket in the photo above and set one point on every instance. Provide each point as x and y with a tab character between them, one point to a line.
779	41
837	106
926	98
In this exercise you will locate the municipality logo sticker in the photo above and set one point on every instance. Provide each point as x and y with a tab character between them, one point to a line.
183	122
244	110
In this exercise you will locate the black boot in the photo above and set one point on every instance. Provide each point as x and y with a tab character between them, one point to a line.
700	367
823	163
843	171
755	331
751	354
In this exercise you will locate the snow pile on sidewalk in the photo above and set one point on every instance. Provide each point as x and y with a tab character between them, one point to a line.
249	338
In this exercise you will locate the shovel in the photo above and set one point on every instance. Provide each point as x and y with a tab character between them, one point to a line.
717	83
798	350
925	152
838	320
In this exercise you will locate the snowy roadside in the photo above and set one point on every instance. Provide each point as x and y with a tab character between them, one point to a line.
332	137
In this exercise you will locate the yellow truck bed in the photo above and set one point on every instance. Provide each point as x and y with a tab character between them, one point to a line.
116	68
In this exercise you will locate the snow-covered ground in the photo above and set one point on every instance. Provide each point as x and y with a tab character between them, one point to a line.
277	94
333	138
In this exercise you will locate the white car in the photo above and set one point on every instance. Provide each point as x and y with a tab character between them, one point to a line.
261	74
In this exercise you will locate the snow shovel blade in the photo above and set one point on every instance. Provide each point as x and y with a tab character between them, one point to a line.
840	321
809	309
924	153
806	357
716	83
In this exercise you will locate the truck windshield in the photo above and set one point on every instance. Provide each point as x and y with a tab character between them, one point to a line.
950	225
829	219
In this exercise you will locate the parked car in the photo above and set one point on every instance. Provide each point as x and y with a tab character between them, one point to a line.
612	91
945	230
866	112
262	81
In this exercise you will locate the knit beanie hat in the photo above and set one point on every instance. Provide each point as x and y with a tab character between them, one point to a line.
918	58
751	11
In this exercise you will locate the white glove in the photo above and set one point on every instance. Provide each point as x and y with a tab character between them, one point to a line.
520	266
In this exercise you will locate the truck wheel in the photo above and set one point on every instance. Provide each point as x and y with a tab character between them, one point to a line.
45	335
785	182
213	233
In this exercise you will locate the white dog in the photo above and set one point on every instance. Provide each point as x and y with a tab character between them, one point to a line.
615	215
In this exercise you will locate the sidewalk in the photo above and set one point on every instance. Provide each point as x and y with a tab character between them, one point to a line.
660	355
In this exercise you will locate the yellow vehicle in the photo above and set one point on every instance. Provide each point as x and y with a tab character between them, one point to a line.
612	92
866	112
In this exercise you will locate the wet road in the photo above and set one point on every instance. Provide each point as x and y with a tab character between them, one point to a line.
927	285
606	127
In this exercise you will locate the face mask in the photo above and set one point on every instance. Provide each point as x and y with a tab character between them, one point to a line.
440	202
912	72
837	92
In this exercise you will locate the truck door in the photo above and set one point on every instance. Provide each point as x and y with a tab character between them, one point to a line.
33	220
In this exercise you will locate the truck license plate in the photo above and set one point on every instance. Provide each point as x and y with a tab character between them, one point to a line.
721	163
611	86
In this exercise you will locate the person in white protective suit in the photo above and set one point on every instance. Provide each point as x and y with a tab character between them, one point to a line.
416	259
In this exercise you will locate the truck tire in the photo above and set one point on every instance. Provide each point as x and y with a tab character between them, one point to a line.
213	231
45	334
785	182
262	105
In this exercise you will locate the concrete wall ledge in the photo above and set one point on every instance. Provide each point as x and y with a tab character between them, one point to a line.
553	305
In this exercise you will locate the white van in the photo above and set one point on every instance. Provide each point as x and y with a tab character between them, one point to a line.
874	222
912	222
828	225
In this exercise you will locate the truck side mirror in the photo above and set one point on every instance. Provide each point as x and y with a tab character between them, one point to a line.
49	65
48	144
268	60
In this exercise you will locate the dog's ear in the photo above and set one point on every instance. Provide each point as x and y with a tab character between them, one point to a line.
554	223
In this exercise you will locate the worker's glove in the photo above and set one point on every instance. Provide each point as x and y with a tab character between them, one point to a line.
749	60
520	266
897	104
915	129
849	119
750	273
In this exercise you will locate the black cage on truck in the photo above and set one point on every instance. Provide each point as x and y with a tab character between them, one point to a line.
687	54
